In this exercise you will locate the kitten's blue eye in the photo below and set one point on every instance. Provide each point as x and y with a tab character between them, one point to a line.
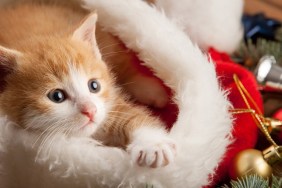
57	96
94	86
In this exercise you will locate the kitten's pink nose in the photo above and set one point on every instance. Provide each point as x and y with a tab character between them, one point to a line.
89	111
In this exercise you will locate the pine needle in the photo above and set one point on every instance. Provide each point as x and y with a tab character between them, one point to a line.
278	35
276	182
255	181
251	52
149	186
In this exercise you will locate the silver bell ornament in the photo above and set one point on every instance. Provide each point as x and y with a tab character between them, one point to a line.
268	72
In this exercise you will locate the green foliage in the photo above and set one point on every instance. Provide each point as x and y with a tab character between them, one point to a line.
252	181
255	181
149	186
276	182
278	35
252	52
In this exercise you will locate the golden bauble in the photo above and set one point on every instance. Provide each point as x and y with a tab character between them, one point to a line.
249	162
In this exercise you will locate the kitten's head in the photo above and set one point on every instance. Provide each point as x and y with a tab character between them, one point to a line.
57	84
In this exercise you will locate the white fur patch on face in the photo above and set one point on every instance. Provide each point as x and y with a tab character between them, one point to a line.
80	94
68	116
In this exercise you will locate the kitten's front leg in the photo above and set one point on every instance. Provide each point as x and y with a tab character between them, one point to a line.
135	129
151	147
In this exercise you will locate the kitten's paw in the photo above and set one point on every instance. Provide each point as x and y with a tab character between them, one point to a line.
153	153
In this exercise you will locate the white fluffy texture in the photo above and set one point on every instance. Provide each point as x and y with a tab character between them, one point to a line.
154	149
212	23
72	163
201	131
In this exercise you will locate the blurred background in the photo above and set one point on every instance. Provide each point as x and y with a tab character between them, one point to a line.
271	8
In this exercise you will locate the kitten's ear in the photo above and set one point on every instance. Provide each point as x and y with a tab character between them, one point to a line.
8	62
86	32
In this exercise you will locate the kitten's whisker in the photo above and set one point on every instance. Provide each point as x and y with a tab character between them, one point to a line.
44	140
118	112
46	130
47	137
69	130
103	40
47	123
101	44
113	53
59	130
120	105
107	46
49	141
128	83
117	117
113	118
145	120
65	128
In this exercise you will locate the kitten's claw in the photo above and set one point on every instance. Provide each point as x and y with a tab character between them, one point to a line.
153	154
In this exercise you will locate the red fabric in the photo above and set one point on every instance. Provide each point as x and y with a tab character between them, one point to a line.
278	115
169	113
245	132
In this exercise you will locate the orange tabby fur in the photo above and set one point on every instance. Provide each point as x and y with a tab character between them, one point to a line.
141	87
41	34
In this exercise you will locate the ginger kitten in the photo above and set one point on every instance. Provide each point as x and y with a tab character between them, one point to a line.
55	82
141	87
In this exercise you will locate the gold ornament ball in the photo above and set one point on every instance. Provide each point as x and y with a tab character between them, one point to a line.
249	162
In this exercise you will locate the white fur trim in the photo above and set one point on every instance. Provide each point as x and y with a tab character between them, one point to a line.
72	163
203	123
213	23
201	131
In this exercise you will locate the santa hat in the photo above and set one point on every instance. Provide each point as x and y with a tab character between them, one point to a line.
207	135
